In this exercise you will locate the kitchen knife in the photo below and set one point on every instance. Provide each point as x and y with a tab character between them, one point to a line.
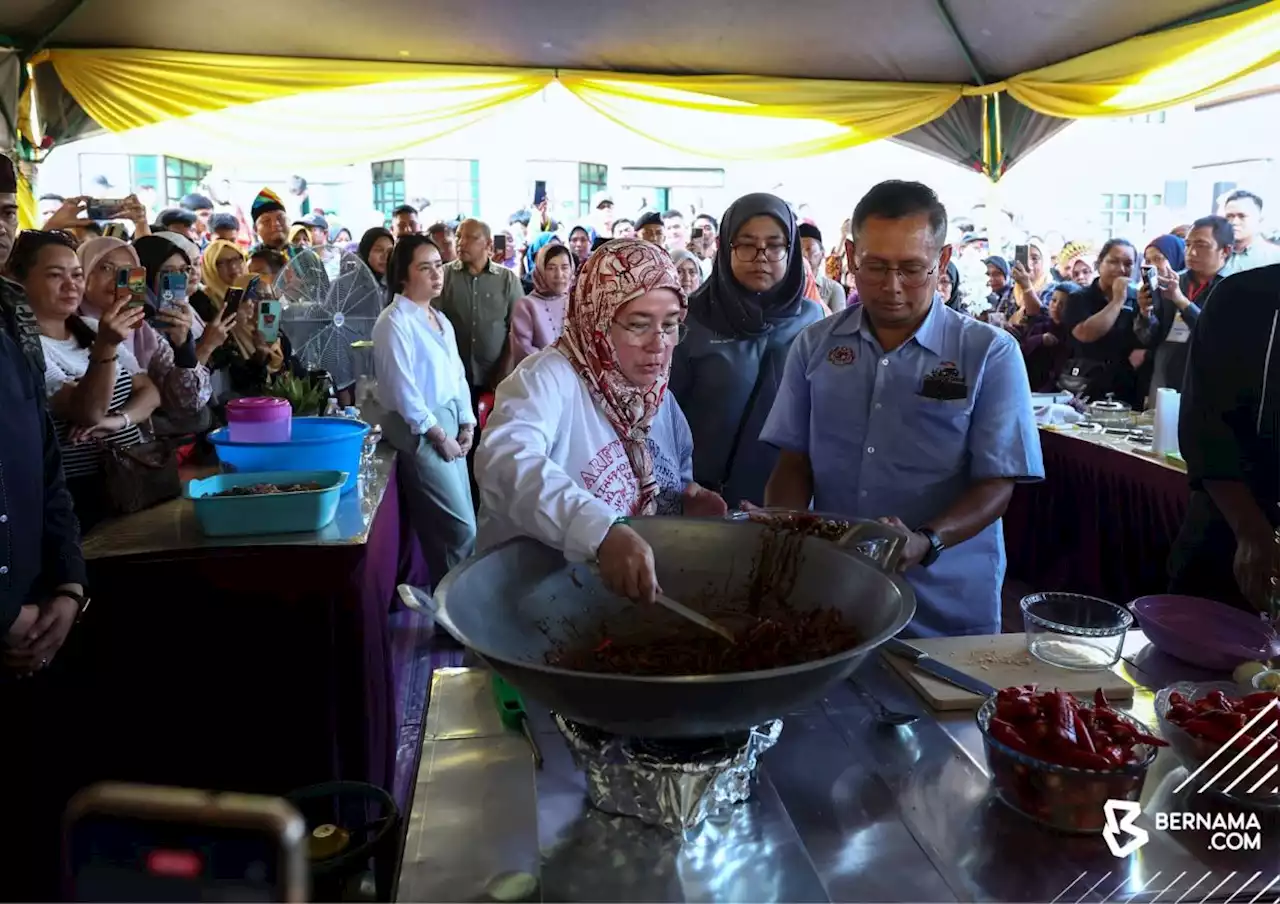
930	666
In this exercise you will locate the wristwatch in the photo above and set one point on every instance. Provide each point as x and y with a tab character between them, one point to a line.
936	546
80	599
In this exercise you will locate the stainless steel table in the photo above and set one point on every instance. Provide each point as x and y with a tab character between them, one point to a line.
843	810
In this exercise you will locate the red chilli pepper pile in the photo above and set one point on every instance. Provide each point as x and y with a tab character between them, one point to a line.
1216	718
1055	728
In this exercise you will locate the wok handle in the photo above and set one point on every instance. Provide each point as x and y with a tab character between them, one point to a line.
418	600
880	543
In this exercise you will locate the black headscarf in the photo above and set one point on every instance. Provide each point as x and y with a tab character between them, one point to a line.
953	272
153	251
722	304
367	241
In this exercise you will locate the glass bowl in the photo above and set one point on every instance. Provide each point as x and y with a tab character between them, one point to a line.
1064	798
1193	752
1073	631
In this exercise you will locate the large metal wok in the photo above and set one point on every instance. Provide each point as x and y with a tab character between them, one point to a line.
520	600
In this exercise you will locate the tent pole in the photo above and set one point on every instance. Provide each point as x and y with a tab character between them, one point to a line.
990	151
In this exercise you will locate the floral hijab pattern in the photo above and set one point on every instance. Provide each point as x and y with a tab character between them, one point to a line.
621	271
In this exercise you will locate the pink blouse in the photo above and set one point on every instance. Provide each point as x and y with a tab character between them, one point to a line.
536	322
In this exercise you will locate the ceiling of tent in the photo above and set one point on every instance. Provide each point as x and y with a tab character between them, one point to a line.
871	40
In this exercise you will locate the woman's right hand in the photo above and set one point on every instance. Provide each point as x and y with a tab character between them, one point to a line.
119	322
1144	298
217	330
626	565
1119	291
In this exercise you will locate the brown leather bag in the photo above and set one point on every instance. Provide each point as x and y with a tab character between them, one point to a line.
140	476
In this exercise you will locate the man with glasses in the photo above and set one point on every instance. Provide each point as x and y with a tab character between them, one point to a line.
904	410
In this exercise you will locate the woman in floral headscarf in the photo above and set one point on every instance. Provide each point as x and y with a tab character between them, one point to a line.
585	435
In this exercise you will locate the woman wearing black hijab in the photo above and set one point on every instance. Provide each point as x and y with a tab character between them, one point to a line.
741	323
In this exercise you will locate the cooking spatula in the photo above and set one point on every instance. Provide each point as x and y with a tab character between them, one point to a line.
683	611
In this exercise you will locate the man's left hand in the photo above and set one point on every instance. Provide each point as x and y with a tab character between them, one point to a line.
917	546
46	637
699	502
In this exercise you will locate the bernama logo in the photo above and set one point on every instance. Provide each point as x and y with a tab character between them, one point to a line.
1228	831
1234	831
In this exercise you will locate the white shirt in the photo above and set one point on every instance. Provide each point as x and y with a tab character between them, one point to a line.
419	369
551	467
66	362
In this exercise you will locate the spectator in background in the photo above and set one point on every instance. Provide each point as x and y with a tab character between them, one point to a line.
404	221
676	234
624	228
224	227
446	240
538	319
704	245
650	228
202	207
1103	341
179	220
1046	340
48	206
1166	323
949	287
375	251
270	221
1074	263
830	292
602	213
688	269
1243	210
319	229
1001	297
299	198
580	239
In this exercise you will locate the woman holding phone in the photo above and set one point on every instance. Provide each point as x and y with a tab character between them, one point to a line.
98	392
429	420
160	346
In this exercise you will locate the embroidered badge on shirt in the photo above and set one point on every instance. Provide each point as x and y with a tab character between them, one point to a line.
841	355
945	383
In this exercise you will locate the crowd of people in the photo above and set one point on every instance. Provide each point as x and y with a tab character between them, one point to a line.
555	381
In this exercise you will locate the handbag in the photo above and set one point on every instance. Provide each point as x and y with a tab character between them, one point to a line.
140	476
1080	374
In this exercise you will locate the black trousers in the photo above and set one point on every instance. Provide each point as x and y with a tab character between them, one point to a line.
46	755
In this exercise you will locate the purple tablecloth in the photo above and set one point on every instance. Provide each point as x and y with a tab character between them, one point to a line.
1101	522
256	669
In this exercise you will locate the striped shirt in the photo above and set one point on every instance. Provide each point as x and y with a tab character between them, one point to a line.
66	362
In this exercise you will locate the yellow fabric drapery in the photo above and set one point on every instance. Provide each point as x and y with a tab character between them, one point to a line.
1154	71
28	214
737	116
341	111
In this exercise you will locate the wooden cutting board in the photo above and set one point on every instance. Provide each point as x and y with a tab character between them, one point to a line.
1000	660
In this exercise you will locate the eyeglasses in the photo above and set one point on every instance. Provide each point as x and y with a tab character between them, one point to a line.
913	276
748	253
189	271
672	333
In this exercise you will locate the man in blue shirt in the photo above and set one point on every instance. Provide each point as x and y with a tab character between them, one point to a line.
905	410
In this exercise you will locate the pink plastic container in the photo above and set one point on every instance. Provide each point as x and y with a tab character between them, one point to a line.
258	419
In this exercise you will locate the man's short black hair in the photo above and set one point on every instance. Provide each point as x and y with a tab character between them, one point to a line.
809	231
271	257
895	200
171	215
195	201
1220	227
437	228
404	209
672	215
715	224
1241	194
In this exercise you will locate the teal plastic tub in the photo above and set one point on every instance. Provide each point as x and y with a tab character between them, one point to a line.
270	513
317	444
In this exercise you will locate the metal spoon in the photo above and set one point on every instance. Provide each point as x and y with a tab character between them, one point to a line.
684	611
879	711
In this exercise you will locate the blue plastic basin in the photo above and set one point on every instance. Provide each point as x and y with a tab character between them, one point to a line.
269	513
317	444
